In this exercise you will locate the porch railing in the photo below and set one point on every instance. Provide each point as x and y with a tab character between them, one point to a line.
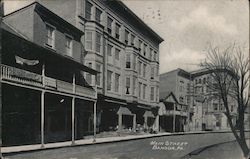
17	75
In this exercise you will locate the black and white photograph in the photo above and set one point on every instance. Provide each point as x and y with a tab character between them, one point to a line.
124	79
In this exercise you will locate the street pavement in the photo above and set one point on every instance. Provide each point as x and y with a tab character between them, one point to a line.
165	147
229	150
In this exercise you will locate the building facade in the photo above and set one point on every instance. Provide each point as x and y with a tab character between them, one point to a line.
126	52
206	109
86	67
45	96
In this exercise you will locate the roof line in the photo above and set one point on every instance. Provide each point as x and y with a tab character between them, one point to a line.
140	21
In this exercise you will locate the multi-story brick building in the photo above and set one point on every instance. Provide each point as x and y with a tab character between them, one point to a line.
126	52
192	92
45	97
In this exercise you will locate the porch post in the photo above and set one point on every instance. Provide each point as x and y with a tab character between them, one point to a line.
146	122
174	119
42	106
134	122
73	110
95	113
94	121
1	104
119	122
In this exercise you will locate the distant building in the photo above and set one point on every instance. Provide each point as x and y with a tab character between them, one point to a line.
206	110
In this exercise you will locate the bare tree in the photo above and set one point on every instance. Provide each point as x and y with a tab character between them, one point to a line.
229	68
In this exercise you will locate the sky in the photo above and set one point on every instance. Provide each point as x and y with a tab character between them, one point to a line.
188	27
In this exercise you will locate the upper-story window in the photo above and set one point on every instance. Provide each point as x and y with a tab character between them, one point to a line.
132	39
139	67
109	25
98	42
140	45
144	91
117	82
88	10
126	36
117	31
150	54
155	55
89	40
109	80
50	36
134	85
117	54
152	72
144	70
128	61
127	85
109	50
181	99
68	45
139	90
98	14
199	81
152	93
145	50
98	76
88	75
134	62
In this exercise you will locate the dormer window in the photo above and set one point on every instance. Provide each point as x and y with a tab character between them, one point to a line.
50	36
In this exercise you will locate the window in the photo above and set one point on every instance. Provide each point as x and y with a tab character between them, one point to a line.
98	42
126	36
155	54
140	87
89	40
88	75
98	76
140	45
134	85
128	62
98	14
109	80
109	25
117	31
128	85
117	54
181	99
145	50
117	79
204	80
50	36
134	62
109	50
199	81
157	93
152	72
88	10
157	71
132	40
68	45
150	54
152	93
144	70
215	105
139	67
144	91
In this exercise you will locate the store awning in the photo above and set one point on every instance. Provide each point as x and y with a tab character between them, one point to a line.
124	111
